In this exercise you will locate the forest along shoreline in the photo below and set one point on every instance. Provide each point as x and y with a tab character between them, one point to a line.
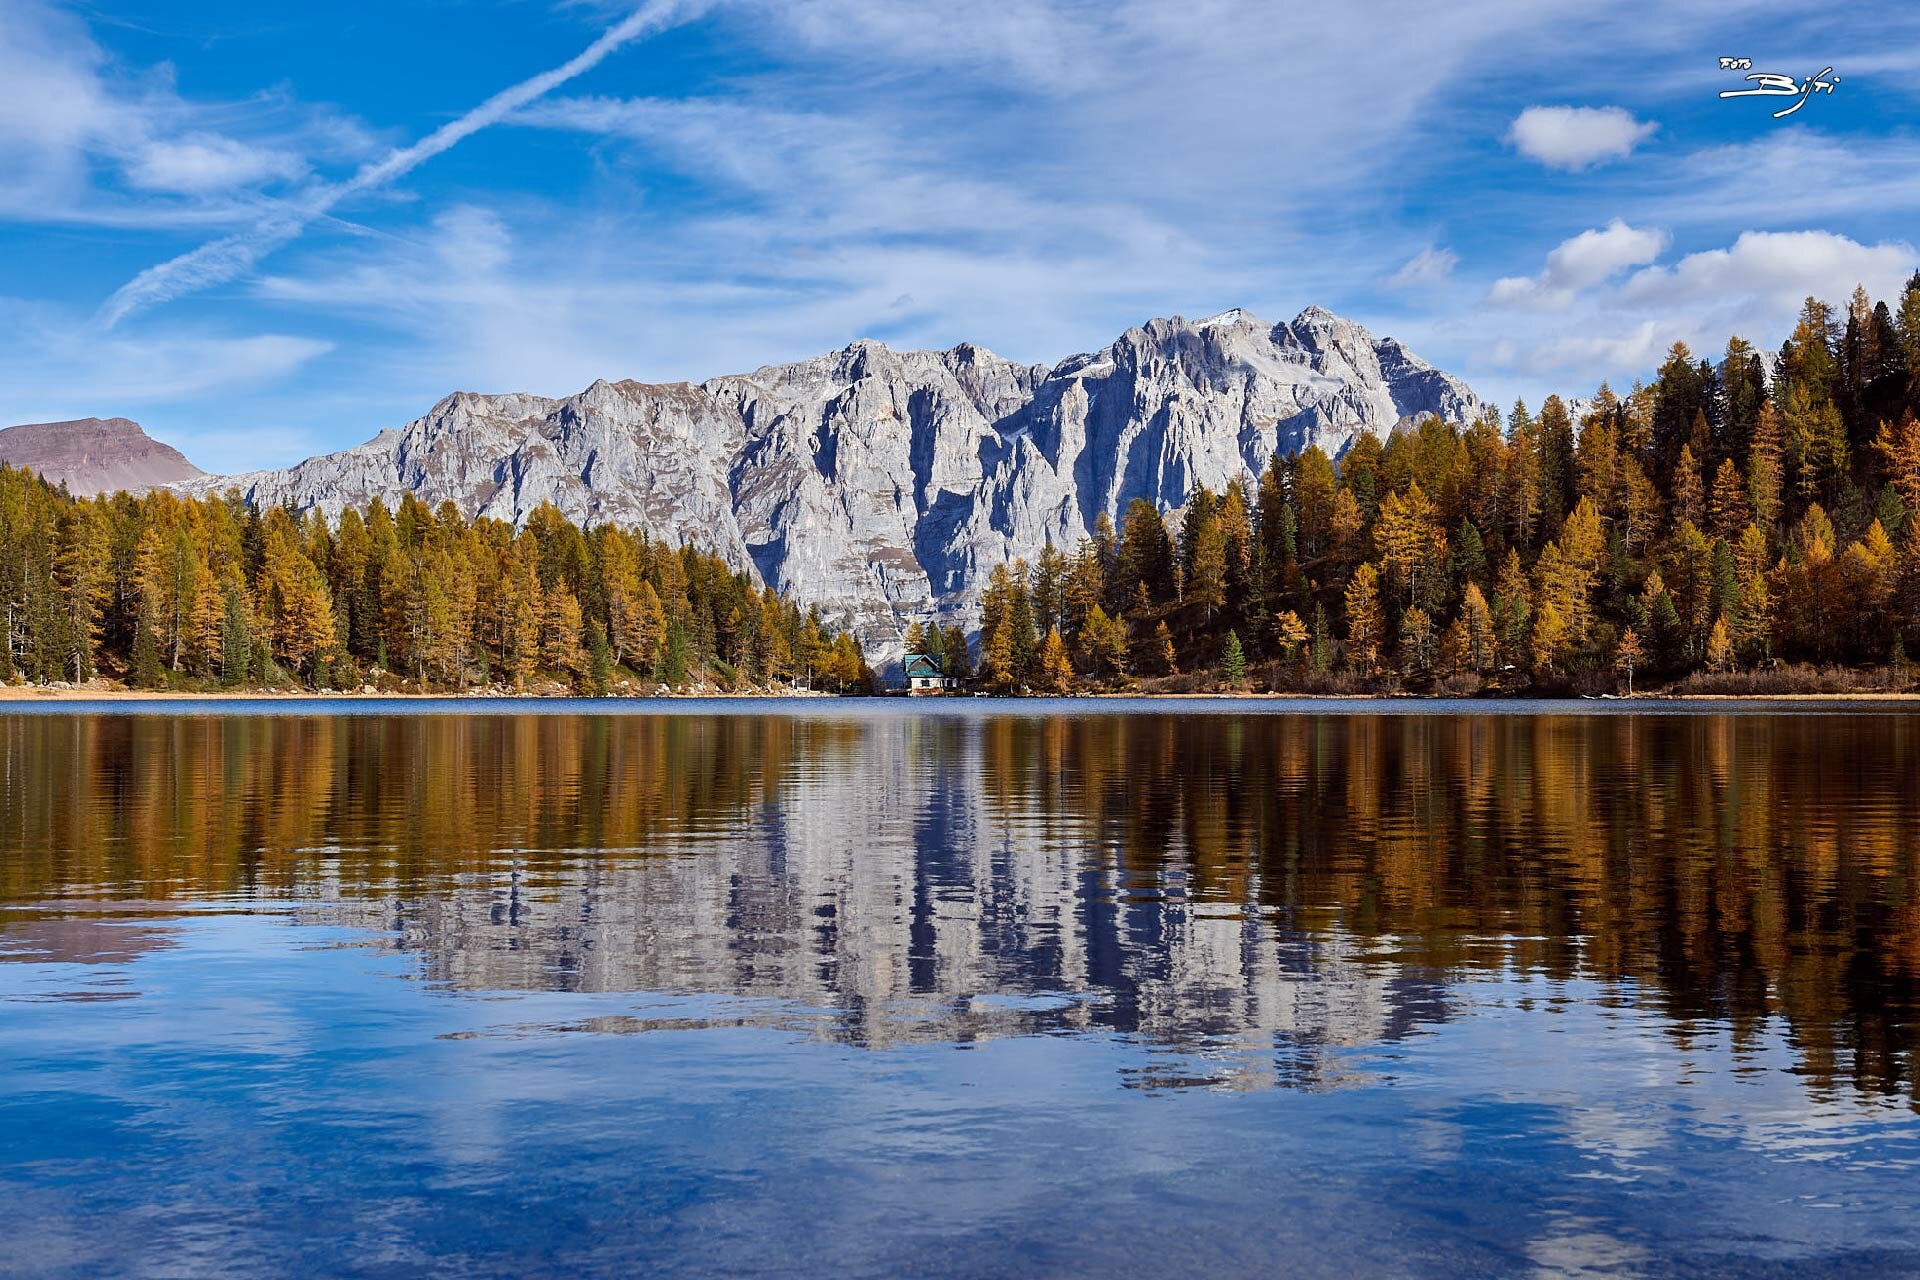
215	594
30	694
105	691
1746	527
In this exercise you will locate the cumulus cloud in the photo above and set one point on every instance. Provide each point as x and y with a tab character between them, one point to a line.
1431	266
1579	263
1618	328
1777	269
1577	137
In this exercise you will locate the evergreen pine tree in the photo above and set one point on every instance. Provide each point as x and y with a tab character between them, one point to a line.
148	670
958	661
673	658
599	662
1322	656
1233	662
1469	554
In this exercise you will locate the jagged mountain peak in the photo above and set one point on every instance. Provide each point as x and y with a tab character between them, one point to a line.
1315	316
884	484
1230	317
972	353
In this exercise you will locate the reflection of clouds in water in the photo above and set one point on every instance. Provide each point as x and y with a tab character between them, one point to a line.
1576	1248
1479	1133
1756	1094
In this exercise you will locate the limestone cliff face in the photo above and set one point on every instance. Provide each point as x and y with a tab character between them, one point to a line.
883	485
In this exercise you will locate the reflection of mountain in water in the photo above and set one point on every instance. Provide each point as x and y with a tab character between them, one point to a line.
894	950
1260	889
891	885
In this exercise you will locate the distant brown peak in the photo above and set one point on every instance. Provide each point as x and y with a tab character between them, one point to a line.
95	455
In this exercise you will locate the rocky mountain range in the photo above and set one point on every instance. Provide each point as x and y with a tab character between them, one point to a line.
884	485
95	455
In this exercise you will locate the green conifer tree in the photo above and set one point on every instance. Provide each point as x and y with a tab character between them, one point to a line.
599	662
1233	663
149	672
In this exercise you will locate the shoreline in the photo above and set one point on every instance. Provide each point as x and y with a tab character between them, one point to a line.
31	695
14	693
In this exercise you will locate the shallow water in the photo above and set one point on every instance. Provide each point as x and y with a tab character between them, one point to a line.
961	989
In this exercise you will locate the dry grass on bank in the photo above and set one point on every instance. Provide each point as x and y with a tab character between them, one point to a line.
1798	679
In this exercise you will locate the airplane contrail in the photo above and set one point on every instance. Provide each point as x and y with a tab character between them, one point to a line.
231	257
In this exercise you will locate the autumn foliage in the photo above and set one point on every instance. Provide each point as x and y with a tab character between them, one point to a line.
166	591
1731	517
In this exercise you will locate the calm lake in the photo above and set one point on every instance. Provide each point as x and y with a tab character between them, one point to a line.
879	989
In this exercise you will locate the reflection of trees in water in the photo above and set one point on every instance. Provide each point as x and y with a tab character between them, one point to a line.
1213	882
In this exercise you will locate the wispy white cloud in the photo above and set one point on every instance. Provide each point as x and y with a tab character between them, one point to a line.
231	257
1032	174
84	140
998	166
1577	137
1627	353
1138	101
1431	266
52	369
208	162
474	304
993	172
52	103
1787	177
826	183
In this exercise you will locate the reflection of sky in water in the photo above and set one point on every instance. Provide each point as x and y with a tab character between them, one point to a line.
282	1099
948	1004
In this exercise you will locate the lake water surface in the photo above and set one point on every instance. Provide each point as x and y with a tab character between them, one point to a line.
846	989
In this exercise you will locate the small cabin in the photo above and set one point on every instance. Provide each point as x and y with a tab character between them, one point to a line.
925	674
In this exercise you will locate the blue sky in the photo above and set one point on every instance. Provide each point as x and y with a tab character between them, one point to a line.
265	231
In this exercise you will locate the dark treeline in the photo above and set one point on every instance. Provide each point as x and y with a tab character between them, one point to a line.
165	591
1728	519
